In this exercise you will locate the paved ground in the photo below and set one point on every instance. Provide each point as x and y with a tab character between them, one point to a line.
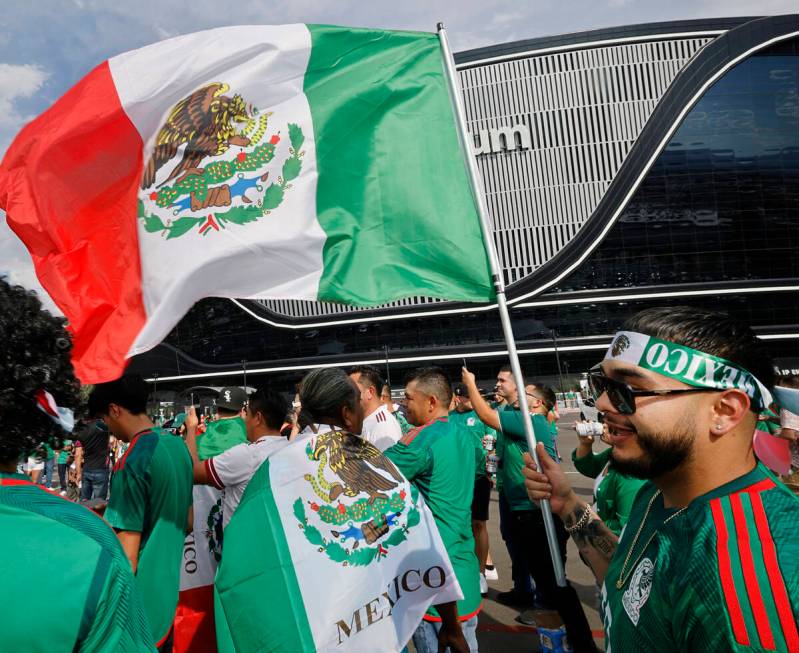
497	630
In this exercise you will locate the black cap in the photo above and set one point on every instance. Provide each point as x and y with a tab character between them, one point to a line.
460	390
231	398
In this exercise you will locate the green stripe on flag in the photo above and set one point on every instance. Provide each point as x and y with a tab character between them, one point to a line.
242	577
393	194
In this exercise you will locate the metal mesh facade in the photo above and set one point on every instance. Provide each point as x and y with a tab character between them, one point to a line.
576	113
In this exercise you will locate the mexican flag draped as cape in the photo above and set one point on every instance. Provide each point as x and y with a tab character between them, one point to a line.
294	162
330	549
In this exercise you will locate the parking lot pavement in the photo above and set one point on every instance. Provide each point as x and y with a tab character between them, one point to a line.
497	629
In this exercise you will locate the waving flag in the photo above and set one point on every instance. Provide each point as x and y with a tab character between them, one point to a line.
301	162
330	549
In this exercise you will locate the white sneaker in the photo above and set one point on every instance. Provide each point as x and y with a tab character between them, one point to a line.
491	573
63	493
483	585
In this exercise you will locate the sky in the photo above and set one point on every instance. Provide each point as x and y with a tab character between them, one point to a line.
46	46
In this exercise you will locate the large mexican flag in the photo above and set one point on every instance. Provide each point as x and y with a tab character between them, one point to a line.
294	161
330	549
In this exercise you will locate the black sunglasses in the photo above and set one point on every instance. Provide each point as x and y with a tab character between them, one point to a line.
622	396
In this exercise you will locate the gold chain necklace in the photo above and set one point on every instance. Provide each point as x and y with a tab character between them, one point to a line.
622	578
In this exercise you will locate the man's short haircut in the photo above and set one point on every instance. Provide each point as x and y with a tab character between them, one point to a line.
506	368
546	394
711	332
227	412
370	377
36	356
271	404
130	392
432	381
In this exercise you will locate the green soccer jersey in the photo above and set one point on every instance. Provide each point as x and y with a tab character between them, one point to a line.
513	447
221	435
470	423
721	575
151	492
49	542
63	455
442	465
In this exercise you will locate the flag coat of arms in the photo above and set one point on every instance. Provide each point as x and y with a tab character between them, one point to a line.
330	549
295	161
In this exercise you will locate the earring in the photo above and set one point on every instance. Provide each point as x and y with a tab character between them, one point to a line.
719	427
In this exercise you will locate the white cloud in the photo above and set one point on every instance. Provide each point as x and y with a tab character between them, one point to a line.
17	82
16	265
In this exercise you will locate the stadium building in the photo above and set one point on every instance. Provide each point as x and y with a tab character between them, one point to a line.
623	168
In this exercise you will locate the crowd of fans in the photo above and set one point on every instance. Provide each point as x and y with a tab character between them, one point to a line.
675	450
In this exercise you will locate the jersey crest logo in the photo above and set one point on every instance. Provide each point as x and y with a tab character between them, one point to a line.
368	507
637	593
209	165
620	345
470	421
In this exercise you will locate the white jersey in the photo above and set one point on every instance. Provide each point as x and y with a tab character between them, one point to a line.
232	470
381	428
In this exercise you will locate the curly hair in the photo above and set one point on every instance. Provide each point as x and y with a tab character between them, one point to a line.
35	355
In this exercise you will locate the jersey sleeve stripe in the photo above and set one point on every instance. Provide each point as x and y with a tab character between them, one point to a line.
725	572
760	486
209	467
778	588
750	576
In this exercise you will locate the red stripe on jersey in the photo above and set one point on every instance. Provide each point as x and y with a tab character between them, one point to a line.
760	486
14	481
725	572
410	436
121	462
209	467
750	577
781	600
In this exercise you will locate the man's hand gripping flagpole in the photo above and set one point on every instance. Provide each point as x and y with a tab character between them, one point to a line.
499	286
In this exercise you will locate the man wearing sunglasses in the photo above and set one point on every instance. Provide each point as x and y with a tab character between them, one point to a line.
709	559
527	523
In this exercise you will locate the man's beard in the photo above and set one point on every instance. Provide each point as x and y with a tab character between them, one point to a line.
662	453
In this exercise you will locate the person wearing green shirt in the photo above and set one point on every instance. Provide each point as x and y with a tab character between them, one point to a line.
443	465
92	602
151	498
467	422
228	430
614	492
527	524
708	560
62	461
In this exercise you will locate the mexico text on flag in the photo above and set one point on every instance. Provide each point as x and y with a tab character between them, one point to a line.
295	161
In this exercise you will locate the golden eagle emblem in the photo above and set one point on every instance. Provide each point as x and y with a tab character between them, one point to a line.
205	122
620	345
357	463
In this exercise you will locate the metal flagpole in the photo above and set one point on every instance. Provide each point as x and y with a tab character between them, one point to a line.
244	369
499	286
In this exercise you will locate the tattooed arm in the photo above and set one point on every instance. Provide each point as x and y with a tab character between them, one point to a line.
596	542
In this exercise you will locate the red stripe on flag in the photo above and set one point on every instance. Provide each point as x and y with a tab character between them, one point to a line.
775	575
69	184
194	621
748	568
725	572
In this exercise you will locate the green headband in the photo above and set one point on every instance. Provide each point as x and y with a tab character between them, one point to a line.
691	366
